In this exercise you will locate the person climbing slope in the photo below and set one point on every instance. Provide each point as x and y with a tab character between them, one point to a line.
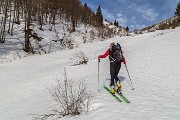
116	58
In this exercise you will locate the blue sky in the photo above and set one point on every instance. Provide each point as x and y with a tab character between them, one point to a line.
134	13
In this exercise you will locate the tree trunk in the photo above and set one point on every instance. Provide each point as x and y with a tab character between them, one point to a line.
27	26
10	17
2	38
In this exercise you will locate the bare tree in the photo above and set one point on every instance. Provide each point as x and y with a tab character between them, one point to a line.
72	98
28	12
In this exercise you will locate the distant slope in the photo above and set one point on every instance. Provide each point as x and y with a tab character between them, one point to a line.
170	23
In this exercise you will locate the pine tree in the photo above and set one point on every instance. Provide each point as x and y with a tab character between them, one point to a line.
115	23
85	5
177	12
127	29
84	14
99	16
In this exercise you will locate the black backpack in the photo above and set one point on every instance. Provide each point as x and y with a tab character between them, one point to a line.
117	53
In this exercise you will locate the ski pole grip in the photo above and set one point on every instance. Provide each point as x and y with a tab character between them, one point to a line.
124	60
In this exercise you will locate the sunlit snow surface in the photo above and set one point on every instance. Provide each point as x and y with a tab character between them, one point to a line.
153	61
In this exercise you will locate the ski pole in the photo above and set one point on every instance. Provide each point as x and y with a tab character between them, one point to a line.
129	77
98	74
102	86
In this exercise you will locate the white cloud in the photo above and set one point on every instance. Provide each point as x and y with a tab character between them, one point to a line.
133	19
150	14
122	1
172	4
136	26
108	15
145	11
122	20
119	14
132	26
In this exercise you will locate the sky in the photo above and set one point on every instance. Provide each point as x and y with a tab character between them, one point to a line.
134	13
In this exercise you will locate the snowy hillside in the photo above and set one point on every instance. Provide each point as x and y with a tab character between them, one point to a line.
169	23
153	62
52	39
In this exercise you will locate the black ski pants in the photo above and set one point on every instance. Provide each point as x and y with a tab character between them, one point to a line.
114	70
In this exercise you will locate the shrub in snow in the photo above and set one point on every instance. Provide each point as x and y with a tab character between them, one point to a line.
80	58
71	98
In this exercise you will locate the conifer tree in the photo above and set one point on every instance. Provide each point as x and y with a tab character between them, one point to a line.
177	12
115	23
127	29
99	16
85	5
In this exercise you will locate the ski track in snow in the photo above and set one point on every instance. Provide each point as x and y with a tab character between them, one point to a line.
153	62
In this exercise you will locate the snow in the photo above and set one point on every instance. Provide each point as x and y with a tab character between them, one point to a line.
153	62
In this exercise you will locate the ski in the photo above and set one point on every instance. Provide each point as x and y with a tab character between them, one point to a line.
123	97
118	99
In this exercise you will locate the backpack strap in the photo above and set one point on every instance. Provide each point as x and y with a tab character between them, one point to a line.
112	59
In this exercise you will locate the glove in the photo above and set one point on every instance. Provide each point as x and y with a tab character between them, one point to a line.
124	60
99	58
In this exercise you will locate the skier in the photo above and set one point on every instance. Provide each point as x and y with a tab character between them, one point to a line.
116	58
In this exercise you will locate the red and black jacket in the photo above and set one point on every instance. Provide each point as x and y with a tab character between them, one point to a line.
111	56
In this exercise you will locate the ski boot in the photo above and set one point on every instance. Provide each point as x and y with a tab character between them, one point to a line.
118	88
112	90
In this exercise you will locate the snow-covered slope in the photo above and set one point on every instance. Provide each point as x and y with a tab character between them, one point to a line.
51	39
153	62
169	23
